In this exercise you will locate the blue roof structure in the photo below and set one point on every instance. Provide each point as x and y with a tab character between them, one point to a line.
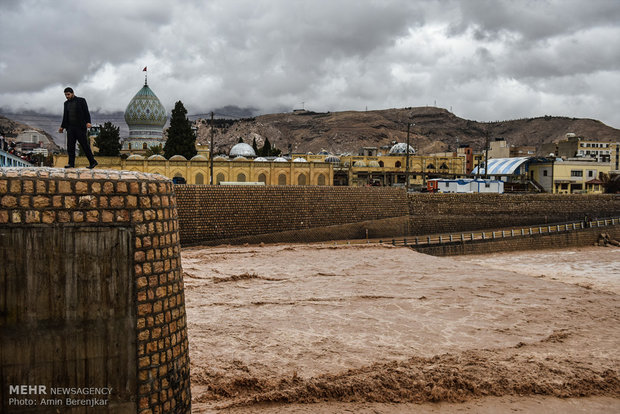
504	166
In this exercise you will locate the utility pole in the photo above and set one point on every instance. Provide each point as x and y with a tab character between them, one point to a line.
211	153
407	160
486	153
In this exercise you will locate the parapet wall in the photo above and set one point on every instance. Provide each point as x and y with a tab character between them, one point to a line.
92	290
451	213
240	214
211	214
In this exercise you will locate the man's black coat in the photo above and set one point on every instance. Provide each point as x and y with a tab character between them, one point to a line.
82	113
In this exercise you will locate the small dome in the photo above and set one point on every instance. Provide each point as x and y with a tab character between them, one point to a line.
199	157
309	153
374	164
240	158
178	158
300	160
156	157
359	164
323	152
261	159
220	158
333	159
280	159
401	148
242	149
135	157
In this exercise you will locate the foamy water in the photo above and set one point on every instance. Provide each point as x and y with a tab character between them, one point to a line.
594	267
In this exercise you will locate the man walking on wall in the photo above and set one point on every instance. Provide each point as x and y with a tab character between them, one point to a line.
76	120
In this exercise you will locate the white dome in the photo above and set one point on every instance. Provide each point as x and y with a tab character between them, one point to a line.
220	158
300	160
242	149
157	157
178	158
374	164
401	148
359	164
323	152
135	157
261	159
280	159
240	158
199	157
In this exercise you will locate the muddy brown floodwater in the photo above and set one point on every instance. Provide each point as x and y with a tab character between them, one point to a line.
382	329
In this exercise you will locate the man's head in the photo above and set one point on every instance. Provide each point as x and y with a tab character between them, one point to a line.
69	93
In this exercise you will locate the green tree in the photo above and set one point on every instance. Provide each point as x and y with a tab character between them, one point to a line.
181	138
154	150
254	146
268	151
109	140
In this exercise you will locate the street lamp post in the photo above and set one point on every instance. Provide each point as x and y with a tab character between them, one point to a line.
407	160
211	154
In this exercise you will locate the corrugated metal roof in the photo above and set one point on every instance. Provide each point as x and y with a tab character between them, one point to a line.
502	166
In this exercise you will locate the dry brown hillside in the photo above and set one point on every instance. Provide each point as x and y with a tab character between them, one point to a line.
435	130
11	129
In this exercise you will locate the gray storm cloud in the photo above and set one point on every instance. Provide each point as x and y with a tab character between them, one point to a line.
488	60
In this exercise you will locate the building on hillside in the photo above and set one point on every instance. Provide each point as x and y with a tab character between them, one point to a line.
499	148
145	116
572	176
579	147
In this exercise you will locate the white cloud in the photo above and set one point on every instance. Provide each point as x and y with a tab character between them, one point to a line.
487	59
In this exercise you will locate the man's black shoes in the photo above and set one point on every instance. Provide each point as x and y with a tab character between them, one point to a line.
92	165
69	166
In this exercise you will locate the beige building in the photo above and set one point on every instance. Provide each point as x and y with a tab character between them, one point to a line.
579	147
571	176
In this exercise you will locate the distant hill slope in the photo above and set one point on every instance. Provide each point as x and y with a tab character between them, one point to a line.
435	130
11	129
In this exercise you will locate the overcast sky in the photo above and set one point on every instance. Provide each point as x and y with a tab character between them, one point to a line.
486	59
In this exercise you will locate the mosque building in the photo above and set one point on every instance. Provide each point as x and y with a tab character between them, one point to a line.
145	116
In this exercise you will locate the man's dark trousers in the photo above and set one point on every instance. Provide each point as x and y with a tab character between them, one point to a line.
75	133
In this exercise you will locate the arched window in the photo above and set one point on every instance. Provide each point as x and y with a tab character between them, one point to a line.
241	178
220	177
301	179
282	179
397	165
200	179
144	146
129	145
381	164
443	166
431	166
321	179
262	178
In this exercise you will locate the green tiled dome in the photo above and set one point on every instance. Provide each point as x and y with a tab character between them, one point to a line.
145	109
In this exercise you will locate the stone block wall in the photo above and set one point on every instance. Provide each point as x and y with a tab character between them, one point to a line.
576	238
210	214
70	208
451	213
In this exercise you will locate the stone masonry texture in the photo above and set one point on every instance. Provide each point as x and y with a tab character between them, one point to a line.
239	214
146	204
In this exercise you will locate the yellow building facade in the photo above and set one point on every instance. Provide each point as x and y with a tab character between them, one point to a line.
197	170
570	176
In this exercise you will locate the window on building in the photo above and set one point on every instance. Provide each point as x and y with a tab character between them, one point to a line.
144	146
591	173
576	173
487	185
321	179
431	166
545	173
241	178
200	179
301	180
397	165
282	179
262	178
220	177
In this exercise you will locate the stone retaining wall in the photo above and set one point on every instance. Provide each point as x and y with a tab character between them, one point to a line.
111	234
